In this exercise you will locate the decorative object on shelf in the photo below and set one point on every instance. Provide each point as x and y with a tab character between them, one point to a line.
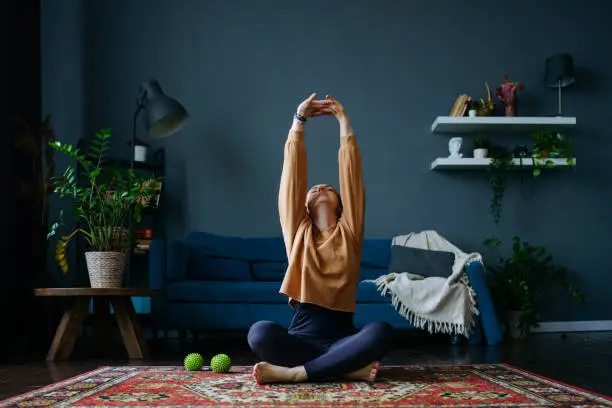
486	108
141	150
106	206
472	113
559	73
521	152
481	147
501	163
506	93
163	115
548	145
454	147
522	280
461	105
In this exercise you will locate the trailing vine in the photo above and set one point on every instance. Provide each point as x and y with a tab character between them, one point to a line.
501	163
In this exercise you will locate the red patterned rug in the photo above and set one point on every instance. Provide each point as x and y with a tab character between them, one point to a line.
398	386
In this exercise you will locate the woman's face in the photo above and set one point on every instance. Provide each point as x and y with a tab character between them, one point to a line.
322	195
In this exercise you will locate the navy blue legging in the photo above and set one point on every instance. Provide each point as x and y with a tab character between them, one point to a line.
324	341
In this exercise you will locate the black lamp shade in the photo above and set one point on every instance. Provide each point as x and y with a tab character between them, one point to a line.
163	115
560	71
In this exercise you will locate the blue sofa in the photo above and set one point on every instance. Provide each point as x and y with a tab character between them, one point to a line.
219	283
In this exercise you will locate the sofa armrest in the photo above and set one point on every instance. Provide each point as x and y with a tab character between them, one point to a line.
488	315
176	261
157	263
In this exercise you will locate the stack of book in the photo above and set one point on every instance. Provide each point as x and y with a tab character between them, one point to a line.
143	240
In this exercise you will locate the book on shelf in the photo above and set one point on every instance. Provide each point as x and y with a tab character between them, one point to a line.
142	246
461	105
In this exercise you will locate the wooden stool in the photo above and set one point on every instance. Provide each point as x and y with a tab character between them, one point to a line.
121	301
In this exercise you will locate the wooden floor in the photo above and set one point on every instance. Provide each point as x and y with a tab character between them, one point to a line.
580	359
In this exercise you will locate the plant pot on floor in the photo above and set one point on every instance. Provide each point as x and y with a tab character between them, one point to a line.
513	325
105	268
480	153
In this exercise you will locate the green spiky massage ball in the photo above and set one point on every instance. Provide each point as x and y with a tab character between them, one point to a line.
221	363
194	362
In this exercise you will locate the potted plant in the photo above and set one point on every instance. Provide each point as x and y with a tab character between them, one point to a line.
481	147
546	146
520	281
486	107
501	163
106	201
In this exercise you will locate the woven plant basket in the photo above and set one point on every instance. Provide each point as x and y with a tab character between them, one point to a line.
105	269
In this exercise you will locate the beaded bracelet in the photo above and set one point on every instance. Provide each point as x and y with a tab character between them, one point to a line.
300	117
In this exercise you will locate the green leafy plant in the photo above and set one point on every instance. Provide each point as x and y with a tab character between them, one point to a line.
548	145
501	163
521	280
106	201
481	142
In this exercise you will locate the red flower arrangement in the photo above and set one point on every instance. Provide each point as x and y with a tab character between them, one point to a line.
506	93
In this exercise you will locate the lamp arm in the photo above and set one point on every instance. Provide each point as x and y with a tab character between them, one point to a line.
140	105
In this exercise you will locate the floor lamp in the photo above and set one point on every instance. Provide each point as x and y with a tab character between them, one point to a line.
163	115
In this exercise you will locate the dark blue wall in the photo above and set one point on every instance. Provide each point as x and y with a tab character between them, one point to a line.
241	67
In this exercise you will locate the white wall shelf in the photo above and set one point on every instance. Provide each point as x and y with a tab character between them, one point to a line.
470	163
465	124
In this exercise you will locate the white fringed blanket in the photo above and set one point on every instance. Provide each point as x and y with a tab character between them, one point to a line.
439	305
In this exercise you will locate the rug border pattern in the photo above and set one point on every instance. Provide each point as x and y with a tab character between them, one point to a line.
478	369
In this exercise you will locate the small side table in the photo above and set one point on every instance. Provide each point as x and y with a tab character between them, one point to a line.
120	299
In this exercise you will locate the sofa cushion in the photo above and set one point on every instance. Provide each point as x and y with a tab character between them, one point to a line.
366	273
246	249
225	292
376	253
269	271
202	266
421	261
368	293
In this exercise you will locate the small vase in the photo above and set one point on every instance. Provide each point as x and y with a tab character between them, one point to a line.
511	108
480	153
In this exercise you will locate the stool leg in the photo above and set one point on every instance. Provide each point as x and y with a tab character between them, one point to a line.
68	329
133	338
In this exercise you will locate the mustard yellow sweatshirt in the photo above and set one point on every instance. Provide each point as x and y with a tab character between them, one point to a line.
323	266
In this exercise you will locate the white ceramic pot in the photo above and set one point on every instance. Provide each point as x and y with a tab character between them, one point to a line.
140	153
472	113
480	153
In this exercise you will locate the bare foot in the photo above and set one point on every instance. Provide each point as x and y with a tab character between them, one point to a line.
367	373
270	373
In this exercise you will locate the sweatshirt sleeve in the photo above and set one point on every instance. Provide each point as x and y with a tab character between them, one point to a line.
352	191
293	187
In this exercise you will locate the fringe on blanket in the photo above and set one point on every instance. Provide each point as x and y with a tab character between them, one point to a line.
432	325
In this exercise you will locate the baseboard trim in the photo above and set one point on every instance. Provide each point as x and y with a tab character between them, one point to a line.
575	326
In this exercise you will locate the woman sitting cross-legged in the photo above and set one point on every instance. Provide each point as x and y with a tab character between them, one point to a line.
323	233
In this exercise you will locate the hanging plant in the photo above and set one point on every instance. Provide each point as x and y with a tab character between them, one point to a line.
501	163
548	145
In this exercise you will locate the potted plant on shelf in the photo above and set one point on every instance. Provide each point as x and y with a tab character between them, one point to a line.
481	147
547	146
106	202
486	107
501	163
520	281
